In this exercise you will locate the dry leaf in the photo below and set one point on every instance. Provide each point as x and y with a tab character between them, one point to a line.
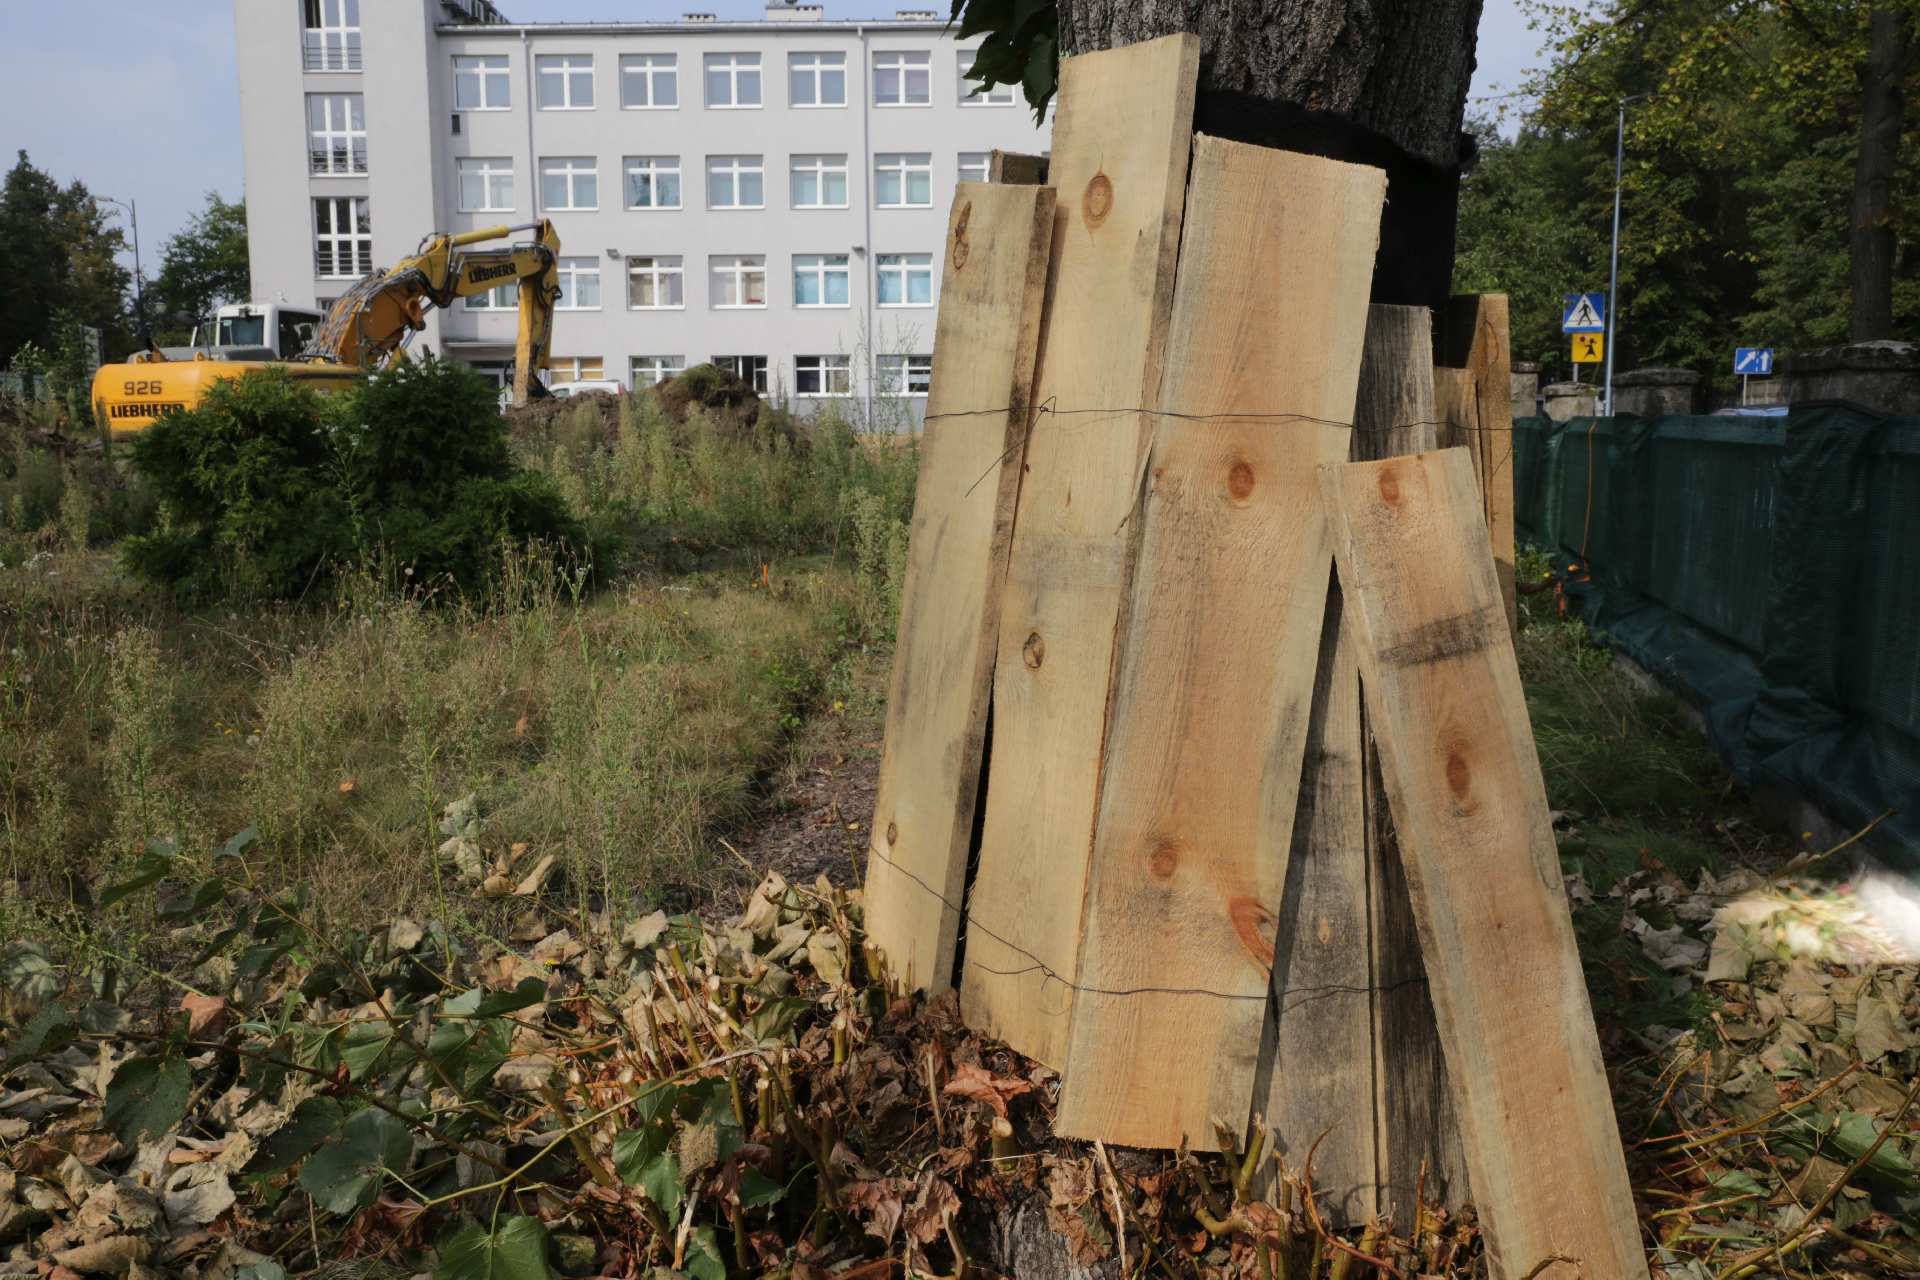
206	1015
348	786
933	1204
973	1081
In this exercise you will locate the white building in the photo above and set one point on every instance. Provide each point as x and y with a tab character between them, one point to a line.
770	195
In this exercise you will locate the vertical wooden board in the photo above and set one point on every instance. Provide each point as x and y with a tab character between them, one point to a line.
1463	780
1015	166
1417	1135
1457	405
1477	337
1218	645
1317	1066
1121	142
998	240
1322	1049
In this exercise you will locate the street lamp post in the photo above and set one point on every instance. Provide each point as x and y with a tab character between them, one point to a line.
139	281
1613	267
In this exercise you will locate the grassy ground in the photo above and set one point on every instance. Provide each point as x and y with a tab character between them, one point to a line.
620	729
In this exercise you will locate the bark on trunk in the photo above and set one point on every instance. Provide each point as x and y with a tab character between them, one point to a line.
1381	82
1882	105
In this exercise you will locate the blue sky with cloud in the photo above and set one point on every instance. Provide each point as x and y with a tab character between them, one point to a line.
140	100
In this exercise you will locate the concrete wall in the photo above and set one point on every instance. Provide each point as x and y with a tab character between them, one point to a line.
1883	376
1657	393
408	86
1568	400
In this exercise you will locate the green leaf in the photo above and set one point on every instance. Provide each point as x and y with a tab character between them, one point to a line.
345	1174
515	1250
27	970
150	870
147	1097
312	1122
659	1180
48	1031
257	959
478	1003
470	1052
703	1256
772	1021
261	1271
364	1044
240	842
757	1189
210	891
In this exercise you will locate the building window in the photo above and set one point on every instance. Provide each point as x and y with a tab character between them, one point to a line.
565	369
819	182
649	81
336	134
653	182
505	297
733	79
342	238
902	180
903	79
738	280
820	280
903	375
482	83
975	166
579	284
974	94
486	184
751	370
822	376
647	371
331	41
904	280
655	284
736	182
565	81
569	183
498	373
817	79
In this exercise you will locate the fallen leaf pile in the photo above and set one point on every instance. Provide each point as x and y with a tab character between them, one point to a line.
669	1095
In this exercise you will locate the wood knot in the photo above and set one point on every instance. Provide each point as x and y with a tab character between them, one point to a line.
1240	481
961	251
1034	651
1390	486
1165	858
1254	925
893	832
1460	778
1096	202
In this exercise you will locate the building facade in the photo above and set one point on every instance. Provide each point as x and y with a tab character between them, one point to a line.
768	195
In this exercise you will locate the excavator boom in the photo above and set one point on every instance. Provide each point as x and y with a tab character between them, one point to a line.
370	326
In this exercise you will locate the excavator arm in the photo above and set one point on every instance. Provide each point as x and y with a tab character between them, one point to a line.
371	323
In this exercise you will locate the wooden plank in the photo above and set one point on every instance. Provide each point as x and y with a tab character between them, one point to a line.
997	245
1317	1068
1015	166
1457	756
1328	1007
1121	142
1477	336
1218	645
1417	1135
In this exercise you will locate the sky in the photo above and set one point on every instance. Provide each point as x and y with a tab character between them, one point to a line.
140	100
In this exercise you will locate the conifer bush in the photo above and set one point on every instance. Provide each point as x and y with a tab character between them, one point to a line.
269	489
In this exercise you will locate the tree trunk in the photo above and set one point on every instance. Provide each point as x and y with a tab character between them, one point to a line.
1871	246
1380	82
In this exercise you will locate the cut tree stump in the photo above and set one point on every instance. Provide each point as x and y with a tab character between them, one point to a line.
1463	780
998	240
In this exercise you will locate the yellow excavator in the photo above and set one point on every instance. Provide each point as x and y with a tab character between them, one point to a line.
368	328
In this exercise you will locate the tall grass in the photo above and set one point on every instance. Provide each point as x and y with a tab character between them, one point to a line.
618	721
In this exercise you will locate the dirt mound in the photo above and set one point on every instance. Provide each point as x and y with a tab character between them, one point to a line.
730	403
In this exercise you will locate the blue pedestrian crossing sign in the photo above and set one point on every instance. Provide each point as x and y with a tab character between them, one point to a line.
1585	313
1757	361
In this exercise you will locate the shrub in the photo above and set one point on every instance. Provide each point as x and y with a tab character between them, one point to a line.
271	489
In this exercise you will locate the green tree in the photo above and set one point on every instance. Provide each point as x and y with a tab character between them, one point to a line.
58	257
202	267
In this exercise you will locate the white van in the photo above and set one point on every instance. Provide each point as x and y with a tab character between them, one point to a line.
612	386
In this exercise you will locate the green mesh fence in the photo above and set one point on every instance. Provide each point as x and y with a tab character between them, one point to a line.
1766	568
